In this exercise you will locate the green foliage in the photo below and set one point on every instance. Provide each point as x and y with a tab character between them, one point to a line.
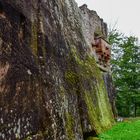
126	72
123	131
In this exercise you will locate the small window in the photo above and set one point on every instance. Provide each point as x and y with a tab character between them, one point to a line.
107	48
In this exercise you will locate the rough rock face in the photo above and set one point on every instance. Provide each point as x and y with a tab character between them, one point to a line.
50	87
93	25
111	91
93	28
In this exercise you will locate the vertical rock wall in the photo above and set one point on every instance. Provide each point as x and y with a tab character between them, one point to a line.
50	88
93	25
111	91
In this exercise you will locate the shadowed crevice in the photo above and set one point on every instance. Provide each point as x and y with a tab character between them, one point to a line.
89	134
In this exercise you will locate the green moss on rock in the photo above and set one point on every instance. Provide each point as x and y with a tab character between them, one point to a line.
69	126
99	111
93	138
71	77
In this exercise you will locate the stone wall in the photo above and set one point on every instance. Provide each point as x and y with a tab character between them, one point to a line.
50	87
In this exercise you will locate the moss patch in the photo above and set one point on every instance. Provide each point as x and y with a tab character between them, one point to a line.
69	126
93	138
71	77
91	85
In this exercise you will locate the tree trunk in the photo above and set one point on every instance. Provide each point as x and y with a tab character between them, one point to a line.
135	110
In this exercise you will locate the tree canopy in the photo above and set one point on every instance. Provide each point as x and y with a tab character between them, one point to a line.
126	72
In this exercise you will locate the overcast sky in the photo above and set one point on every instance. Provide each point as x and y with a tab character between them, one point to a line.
124	12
